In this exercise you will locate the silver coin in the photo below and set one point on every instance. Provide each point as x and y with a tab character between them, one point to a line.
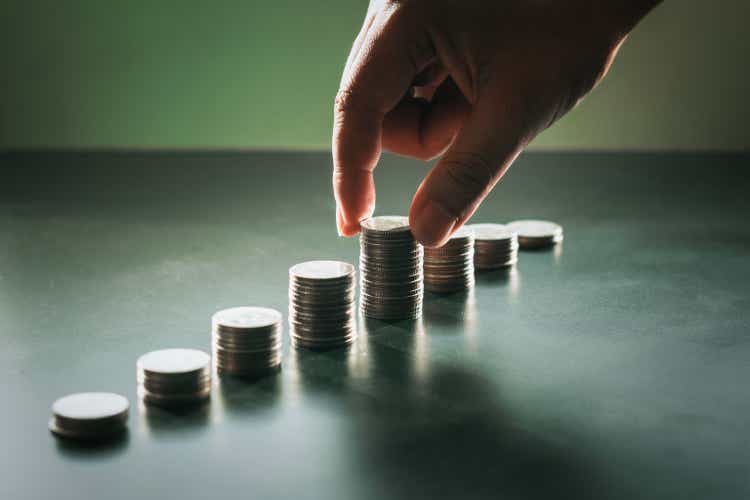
246	360
321	270
533	243
246	318
495	265
273	346
323	291
450	278
91	406
173	361
448	287
314	344
464	236
377	280
535	229
448	254
393	294
386	224
322	323
491	232
496	252
448	264
305	344
312	316
390	313
396	268
175	399
89	415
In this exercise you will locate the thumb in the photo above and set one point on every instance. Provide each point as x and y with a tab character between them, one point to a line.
491	138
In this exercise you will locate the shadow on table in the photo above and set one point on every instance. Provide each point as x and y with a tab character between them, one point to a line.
450	313
95	449
248	395
503	276
174	421
425	429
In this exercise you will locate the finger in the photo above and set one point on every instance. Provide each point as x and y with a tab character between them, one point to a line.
491	138
392	53
359	40
423	129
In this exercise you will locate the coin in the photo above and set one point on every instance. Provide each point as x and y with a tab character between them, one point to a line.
174	376
390	262
322	295
495	246
245	319
89	415
537	233
173	361
318	272
246	339
450	268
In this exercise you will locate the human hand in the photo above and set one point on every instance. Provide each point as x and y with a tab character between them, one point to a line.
472	80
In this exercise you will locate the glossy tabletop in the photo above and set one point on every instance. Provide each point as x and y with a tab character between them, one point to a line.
614	366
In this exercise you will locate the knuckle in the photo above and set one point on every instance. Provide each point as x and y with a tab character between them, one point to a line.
470	175
348	101
343	101
471	172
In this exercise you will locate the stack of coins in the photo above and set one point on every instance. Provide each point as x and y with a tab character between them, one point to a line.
450	268
321	304
495	246
390	263
89	415
246	341
534	234
174	377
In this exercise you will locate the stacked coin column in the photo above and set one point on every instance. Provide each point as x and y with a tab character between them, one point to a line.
174	377
322	294
535	234
89	415
246	341
390	263
495	246
450	268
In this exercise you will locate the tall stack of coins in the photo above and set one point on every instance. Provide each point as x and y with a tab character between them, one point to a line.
321	304
390	263
450	268
534	234
89	415
174	377
495	246
246	341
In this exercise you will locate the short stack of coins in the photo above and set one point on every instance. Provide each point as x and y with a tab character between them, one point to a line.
174	377
535	234
89	415
450	268
246	341
391	269
322	296
495	246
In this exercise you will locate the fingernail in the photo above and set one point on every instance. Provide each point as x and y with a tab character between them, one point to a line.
339	222
433	225
344	228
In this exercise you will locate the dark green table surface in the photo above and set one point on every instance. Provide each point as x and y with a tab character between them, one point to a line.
616	366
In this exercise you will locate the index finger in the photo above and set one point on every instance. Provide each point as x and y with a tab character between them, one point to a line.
391	55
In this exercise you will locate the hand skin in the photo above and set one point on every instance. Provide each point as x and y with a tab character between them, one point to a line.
472	80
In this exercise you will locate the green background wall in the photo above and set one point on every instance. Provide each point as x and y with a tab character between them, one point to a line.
226	73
